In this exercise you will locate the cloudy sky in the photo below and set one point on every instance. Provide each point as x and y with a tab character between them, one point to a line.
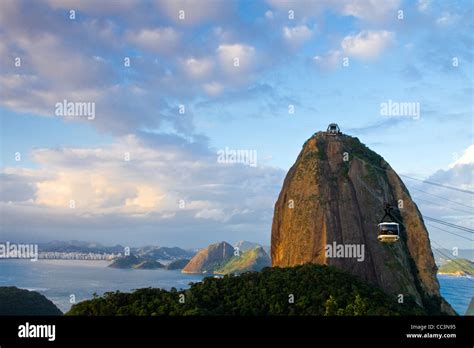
174	82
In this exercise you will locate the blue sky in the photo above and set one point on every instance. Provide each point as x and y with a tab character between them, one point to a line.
282	61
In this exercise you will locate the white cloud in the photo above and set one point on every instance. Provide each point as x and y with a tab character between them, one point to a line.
446	18
93	6
198	68
155	39
296	36
215	214
101	182
329	60
244	55
111	194
423	5
50	72
195	12
466	158
49	57
147	197
371	10
367	44
213	88
447	204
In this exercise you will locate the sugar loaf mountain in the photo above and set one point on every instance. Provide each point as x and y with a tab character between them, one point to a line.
328	252
333	195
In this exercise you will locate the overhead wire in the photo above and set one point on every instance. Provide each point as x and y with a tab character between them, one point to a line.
441	229
441	205
445	223
462	267
462	228
444	198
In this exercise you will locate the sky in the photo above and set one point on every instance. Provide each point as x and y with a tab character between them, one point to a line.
173	83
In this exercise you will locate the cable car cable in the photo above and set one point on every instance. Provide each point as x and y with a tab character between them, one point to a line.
421	180
438	184
380	168
439	228
462	228
451	259
441	205
462	267
446	199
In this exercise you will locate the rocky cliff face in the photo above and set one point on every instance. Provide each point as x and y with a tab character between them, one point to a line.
208	259
334	195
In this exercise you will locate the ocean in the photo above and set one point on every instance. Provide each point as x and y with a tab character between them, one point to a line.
59	279
458	291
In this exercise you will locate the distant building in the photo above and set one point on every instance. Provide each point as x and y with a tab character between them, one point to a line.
333	129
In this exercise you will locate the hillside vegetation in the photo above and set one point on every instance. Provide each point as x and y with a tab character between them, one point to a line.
251	260
14	301
302	290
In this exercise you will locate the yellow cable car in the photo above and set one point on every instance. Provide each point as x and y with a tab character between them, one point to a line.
388	232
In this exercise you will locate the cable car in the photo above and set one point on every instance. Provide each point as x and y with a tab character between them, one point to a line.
388	232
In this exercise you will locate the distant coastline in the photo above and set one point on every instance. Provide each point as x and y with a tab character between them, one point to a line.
456	274
460	267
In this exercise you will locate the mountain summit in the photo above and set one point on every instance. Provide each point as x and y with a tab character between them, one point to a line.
328	210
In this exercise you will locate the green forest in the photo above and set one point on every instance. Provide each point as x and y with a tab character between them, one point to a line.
14	301
302	290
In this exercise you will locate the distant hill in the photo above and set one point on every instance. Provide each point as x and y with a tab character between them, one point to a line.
148	264
135	262
178	264
459	267
209	259
271	292
147	252
222	258
164	253
441	255
243	245
251	260
14	301
75	246
125	262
